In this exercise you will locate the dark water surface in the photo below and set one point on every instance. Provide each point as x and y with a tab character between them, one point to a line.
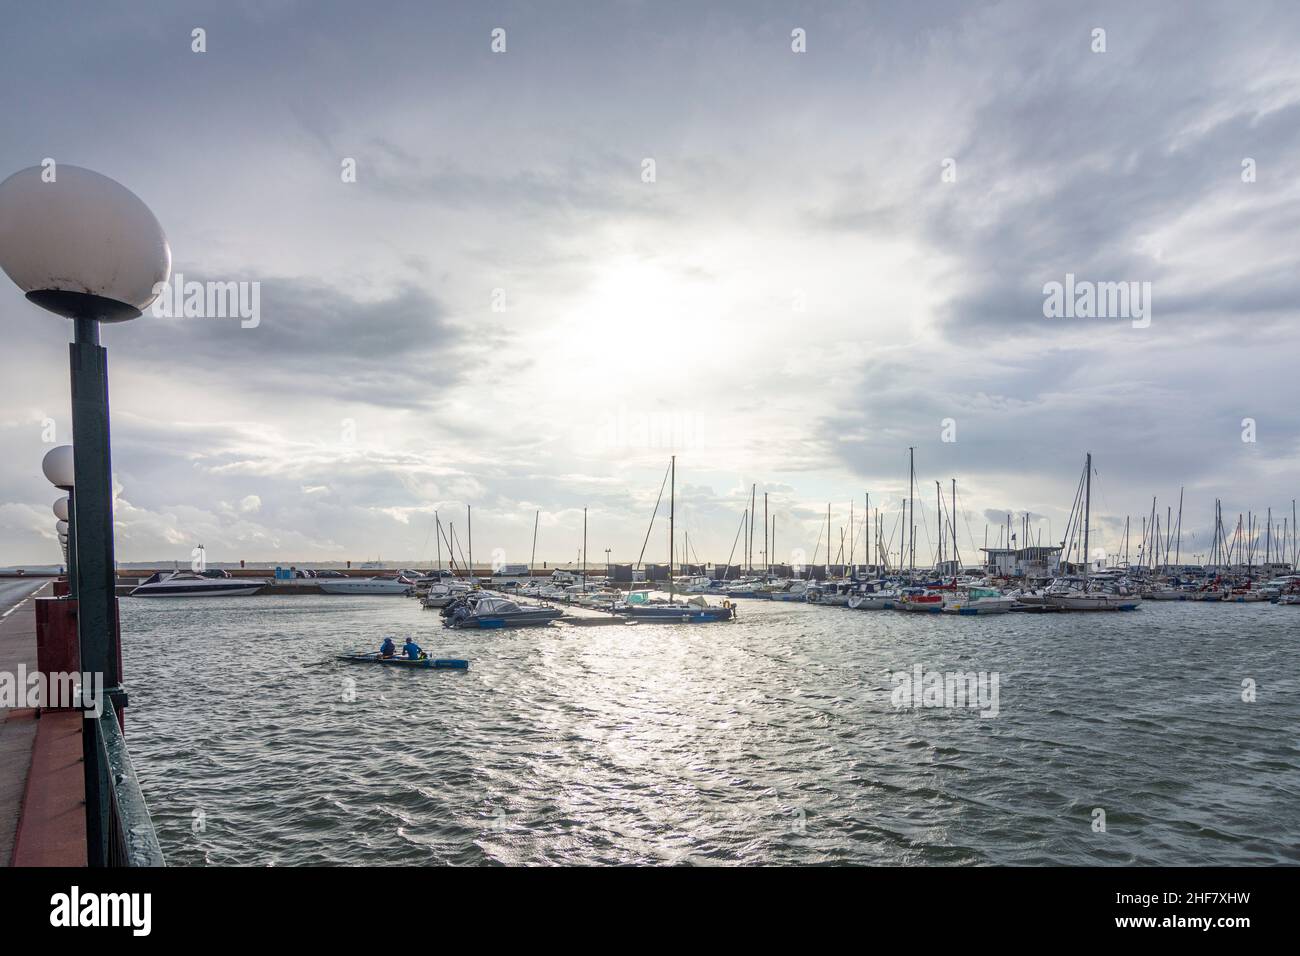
769	740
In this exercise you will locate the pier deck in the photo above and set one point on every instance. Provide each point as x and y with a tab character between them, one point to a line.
42	790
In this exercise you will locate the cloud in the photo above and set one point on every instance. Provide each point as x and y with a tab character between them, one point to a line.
794	302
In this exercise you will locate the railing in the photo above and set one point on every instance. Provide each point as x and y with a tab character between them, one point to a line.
130	836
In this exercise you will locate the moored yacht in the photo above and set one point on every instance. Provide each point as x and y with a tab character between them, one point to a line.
977	600
440	595
490	612
190	584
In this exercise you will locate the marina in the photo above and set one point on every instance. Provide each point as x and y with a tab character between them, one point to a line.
855	441
633	745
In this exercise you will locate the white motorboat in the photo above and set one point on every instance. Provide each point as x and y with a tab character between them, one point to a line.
189	584
876	601
440	595
1092	601
490	612
365	586
793	590
978	601
604	597
833	593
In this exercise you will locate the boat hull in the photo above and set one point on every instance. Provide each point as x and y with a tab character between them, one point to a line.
995	606
156	591
925	607
495	623
678	615
1093	602
425	663
872	603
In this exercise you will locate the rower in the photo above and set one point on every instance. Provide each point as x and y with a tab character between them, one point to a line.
388	648
412	649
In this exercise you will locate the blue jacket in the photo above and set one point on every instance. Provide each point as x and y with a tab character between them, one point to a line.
412	649
388	648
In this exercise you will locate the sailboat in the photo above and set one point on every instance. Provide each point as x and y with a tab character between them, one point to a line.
1074	593
642	607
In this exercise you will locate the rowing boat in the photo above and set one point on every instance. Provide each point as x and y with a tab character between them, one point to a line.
435	663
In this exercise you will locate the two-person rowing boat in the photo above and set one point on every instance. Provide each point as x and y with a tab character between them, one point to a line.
413	656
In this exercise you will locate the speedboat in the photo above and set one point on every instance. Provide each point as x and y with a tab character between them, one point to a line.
498	612
365	586
440	595
189	584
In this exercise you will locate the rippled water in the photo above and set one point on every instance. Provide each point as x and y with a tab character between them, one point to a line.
769	740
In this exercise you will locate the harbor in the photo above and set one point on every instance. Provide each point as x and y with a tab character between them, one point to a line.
519	447
632	745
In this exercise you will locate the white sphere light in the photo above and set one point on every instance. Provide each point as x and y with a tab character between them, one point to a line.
83	245
58	468
61	508
62	527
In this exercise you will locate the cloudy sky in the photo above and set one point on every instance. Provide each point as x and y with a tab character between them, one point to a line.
831	253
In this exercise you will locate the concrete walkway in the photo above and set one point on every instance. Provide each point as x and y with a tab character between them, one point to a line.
42	793
17	727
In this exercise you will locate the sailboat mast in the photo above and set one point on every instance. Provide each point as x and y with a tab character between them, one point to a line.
911	512
532	558
952	519
672	512
584	549
767	554
752	515
938	517
1178	538
469	531
1087	511
439	530
851	541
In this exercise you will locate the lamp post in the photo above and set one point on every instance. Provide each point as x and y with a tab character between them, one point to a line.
58	468
63	511
85	247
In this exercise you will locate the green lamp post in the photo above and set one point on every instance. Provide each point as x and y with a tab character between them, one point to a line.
85	247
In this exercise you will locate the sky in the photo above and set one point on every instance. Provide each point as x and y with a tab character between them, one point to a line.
647	229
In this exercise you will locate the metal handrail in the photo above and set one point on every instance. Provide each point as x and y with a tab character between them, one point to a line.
132	840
